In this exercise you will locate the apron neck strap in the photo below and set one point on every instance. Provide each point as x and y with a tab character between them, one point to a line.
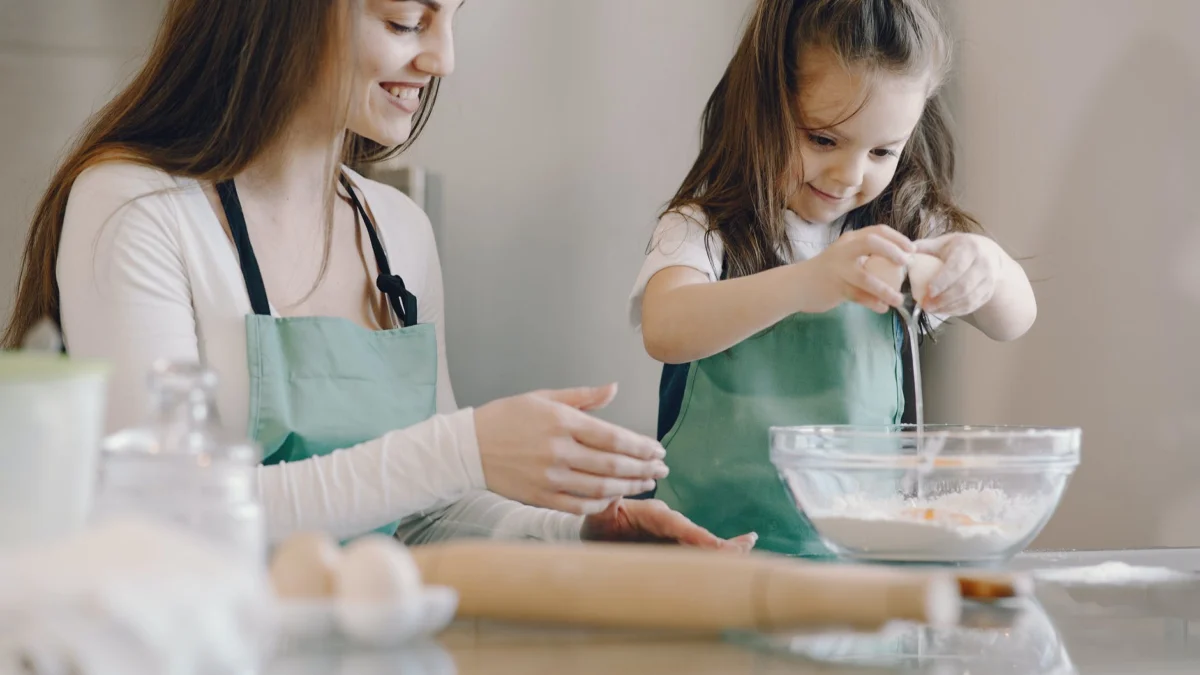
241	240
403	302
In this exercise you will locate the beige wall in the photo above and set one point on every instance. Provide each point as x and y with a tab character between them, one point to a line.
564	129
59	61
1081	149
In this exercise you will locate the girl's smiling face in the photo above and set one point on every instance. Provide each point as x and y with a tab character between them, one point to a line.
856	126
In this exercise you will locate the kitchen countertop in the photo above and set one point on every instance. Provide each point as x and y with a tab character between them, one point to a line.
1085	629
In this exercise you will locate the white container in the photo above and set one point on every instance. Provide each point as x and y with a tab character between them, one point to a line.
52	412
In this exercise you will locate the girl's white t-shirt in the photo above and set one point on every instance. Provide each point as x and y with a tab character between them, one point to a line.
146	271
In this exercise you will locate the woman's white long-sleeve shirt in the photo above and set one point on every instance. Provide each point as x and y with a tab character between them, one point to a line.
146	271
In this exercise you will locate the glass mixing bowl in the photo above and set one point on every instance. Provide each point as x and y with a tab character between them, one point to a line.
946	494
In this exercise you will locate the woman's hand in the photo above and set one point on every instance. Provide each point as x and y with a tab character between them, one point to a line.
543	449
652	521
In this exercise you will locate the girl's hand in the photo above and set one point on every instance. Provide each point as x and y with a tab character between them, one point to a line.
840	272
971	269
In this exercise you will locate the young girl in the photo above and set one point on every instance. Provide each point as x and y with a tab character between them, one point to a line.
824	143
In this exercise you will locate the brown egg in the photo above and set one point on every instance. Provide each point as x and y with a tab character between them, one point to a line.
889	272
304	565
921	270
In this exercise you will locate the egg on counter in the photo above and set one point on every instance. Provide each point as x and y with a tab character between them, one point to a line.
376	584
303	566
371	590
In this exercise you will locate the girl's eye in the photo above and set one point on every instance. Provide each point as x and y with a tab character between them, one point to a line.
883	152
822	141
402	28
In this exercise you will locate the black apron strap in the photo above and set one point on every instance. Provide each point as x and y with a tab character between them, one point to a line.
403	302
241	239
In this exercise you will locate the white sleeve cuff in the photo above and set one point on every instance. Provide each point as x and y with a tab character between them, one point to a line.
486	515
468	447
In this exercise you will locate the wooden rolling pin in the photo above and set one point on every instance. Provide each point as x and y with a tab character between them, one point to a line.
982	586
676	588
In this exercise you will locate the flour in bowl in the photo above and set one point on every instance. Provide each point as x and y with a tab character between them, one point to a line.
975	523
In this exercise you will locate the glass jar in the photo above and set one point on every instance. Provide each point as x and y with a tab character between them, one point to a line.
183	467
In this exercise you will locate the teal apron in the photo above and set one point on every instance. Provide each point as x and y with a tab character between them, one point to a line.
839	367
318	384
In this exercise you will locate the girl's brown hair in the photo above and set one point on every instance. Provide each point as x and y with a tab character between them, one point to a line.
751	126
219	86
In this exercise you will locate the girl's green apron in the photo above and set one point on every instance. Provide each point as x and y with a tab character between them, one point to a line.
839	367
318	384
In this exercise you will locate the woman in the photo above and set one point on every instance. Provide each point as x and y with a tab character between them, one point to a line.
206	215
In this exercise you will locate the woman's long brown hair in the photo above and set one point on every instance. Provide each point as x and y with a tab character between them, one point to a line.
750	127
219	85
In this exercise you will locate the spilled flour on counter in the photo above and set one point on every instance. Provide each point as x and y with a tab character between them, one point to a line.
1110	573
972	524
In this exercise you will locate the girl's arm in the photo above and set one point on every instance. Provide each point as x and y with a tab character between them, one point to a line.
686	316
1013	308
